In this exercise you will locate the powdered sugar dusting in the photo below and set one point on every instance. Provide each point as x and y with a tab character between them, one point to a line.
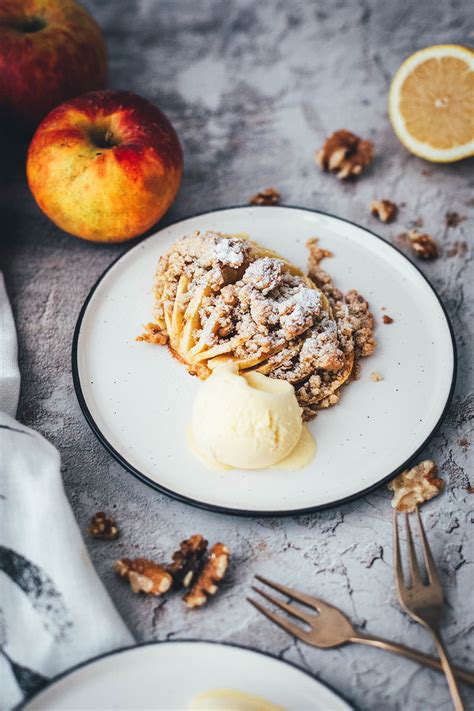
264	274
228	251
299	311
307	300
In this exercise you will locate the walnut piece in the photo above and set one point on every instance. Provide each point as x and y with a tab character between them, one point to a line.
415	485
423	245
345	154
453	219
144	575
387	319
458	249
269	196
376	377
212	573
385	210
187	560
103	526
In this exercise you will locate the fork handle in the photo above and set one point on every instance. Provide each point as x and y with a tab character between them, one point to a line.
448	670
412	654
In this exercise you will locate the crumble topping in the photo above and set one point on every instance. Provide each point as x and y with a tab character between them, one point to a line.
229	252
299	311
264	274
224	296
154	334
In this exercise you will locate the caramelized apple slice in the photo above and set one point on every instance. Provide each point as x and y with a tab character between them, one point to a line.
241	364
213	363
209	330
168	312
177	319
226	347
191	320
251	363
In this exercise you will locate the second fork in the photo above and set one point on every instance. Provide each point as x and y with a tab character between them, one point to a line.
423	600
329	627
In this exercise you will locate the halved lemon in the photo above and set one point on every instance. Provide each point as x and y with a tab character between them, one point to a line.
431	103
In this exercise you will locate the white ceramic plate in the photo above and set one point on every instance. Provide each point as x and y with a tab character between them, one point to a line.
167	675
137	398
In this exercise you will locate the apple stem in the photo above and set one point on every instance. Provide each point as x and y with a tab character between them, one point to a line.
102	137
29	25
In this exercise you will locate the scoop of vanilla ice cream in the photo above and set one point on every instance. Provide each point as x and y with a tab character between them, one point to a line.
246	421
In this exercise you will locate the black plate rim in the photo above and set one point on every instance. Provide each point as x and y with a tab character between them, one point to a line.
23	705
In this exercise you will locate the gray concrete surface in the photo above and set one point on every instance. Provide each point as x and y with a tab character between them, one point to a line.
253	88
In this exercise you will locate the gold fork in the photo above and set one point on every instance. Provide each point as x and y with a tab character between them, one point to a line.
329	627
423	601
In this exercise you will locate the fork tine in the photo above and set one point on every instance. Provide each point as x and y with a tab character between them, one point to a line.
396	552
290	609
430	565
308	600
412	559
279	620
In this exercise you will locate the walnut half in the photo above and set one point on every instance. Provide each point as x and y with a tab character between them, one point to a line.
103	526
345	154
269	196
415	485
212	573
187	560
423	245
144	575
385	210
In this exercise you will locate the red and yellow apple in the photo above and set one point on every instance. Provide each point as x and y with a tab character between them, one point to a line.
105	166
50	50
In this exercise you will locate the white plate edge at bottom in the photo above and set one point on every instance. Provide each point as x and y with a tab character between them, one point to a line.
26	704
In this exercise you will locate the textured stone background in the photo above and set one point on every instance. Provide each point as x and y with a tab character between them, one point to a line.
253	88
